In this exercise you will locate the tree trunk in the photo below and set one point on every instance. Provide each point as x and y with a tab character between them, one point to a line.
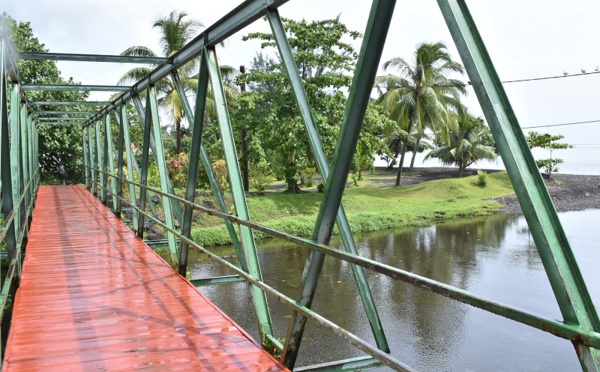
412	162
399	176
293	187
404	147
178	137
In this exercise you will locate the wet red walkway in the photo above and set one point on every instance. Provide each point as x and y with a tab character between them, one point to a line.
93	297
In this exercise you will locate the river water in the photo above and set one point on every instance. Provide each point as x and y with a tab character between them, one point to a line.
494	257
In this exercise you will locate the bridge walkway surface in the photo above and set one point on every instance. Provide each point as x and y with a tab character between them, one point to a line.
94	297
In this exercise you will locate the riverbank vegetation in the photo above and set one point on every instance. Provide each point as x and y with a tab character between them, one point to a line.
369	206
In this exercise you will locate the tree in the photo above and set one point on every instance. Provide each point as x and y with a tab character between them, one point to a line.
469	142
422	95
59	145
549	142
175	32
324	61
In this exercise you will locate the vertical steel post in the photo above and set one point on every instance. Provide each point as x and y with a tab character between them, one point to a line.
120	141
93	159
287	56
559	262
86	157
192	176
145	159
237	190
5	171
15	113
358	99
177	210
105	157
25	158
99	163
21	165
159	157
192	118
110	158
124	122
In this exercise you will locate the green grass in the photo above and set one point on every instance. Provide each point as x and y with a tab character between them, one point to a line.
368	208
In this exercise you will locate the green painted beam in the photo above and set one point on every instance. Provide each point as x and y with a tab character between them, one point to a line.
243	15
287	56
78	88
120	150
111	161
73	112
193	165
92	58
177	210
71	103
159	157
569	288
93	160
86	158
53	119
105	157
5	163
362	363
15	164
362	84
217	280
147	120
124	124
237	191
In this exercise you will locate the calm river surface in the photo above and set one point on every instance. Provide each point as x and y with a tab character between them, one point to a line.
493	257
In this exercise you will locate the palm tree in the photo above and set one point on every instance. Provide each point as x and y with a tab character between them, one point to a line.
463	146
175	31
422	95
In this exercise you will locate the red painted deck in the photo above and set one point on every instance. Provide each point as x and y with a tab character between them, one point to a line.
93	297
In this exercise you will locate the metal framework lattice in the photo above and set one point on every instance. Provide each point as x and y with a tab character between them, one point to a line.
105	177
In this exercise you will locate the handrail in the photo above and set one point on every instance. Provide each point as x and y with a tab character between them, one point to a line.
555	327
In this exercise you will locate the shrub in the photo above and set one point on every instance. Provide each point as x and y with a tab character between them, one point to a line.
321	187
177	167
220	170
481	178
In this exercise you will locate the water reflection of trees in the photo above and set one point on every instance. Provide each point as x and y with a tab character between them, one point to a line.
424	329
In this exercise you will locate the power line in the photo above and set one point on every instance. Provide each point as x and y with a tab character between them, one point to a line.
563	124
563	76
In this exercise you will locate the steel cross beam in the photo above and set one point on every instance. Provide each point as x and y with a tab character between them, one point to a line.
70	112
58	118
557	257
92	58
287	56
78	88
246	13
368	62
71	103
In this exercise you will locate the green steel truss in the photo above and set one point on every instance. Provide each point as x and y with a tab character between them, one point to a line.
112	173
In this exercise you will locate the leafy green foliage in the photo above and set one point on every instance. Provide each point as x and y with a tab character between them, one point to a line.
59	144
548	142
481	178
269	110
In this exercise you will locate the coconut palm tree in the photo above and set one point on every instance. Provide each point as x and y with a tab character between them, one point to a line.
469	142
422	95
175	32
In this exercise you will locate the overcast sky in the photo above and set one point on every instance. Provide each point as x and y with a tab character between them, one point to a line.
525	38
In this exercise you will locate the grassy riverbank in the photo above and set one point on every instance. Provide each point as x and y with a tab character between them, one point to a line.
369	207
